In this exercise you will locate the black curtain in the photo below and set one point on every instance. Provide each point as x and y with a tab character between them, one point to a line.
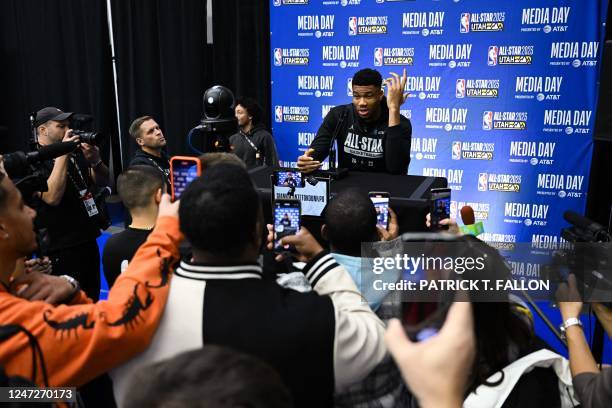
54	53
240	56
160	49
165	65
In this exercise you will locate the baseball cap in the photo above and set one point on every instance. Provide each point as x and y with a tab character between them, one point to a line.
50	113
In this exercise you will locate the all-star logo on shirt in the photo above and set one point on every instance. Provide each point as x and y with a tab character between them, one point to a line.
364	145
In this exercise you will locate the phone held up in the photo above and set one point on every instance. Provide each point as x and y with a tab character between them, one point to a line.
287	220
183	170
380	199
439	207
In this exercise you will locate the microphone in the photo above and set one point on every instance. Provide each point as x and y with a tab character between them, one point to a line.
582	222
334	172
470	227
51	151
598	231
16	163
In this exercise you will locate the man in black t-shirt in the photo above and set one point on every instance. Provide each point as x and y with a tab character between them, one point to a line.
68	210
140	188
371	133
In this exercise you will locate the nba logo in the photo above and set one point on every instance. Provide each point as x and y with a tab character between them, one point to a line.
456	150
277	3
465	23
492	55
378	57
487	120
352	25
482	182
349	87
460	88
278	57
278	113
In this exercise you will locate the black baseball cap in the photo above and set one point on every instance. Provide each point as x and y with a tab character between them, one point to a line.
50	113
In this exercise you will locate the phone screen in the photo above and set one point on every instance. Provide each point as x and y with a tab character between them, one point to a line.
286	220
381	205
288	179
184	171
439	205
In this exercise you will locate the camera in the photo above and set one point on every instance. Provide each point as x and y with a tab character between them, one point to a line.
92	138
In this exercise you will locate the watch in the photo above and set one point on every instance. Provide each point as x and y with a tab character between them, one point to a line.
72	281
572	321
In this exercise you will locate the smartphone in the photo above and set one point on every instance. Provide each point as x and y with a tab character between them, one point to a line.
288	178
183	170
287	219
429	327
439	206
380	199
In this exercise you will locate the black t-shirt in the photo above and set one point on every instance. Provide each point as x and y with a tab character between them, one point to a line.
120	247
365	146
68	223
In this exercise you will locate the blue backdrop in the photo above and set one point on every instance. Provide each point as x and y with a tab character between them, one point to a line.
502	94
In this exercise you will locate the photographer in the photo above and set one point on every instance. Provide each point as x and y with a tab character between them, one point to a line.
594	388
68	210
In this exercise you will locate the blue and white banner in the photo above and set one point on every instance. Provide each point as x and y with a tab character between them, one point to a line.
502	94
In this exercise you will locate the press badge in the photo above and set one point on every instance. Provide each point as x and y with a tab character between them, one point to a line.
89	202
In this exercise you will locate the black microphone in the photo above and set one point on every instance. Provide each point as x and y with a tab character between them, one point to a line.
16	163
332	147
333	172
582	222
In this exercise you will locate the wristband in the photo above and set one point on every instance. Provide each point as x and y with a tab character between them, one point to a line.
97	164
72	281
572	321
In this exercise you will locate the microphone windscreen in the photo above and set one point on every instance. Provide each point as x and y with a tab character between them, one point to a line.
581	222
55	150
467	215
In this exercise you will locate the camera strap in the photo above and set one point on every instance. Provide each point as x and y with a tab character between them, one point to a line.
85	195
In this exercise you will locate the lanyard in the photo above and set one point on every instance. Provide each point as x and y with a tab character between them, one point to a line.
249	141
82	179
165	173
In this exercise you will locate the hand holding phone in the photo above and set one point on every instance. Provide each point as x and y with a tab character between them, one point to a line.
287	214
439	207
380	200
183	170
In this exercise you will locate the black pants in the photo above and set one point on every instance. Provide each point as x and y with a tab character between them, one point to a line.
82	262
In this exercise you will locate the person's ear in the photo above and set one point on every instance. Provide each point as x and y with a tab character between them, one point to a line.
158	196
324	232
139	141
381	94
3	231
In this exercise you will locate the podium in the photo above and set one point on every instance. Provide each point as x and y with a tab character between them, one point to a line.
409	195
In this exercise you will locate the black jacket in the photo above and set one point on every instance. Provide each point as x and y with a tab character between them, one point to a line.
263	143
374	146
162	164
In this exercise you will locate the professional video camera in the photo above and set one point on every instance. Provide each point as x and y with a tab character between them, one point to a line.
587	254
219	122
20	166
